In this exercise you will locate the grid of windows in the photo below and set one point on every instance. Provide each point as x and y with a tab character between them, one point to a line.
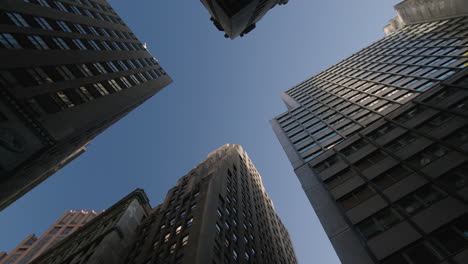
424	141
342	100
243	223
400	108
109	39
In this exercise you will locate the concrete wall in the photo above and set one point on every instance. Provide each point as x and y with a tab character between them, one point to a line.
347	245
418	11
115	246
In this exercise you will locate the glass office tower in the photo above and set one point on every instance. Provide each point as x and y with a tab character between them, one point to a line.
379	141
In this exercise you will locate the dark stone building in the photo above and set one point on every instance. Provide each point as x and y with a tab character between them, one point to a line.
105	239
218	213
379	141
69	70
238	17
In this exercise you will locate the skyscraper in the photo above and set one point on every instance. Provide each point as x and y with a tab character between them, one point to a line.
238	17
69	70
218	213
31	246
379	141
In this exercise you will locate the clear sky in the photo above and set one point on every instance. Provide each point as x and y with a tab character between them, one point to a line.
224	91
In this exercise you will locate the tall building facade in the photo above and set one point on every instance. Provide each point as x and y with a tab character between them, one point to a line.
107	238
379	141
238	17
31	246
69	70
218	213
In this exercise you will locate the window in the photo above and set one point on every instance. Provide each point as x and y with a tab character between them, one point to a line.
172	248
428	155
125	82
424	86
64	26
75	10
422	253
453	237
64	99
339	178
353	148
420	199
38	42
435	122
312	156
61	6
459	137
65	73
85	70
79	44
326	163
55	230
99	67
80	29
17	19
408	115
167	237
356	197
462	105
379	222
101	89
61	43
43	3
455	179
67	230
94	44
371	159
8	41
391	177
39	75
189	222
114	85
185	240
382	131
400	142
178	230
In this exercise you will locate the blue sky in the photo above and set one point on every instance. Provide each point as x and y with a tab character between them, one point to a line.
224	91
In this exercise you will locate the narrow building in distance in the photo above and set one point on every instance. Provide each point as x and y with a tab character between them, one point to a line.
379	141
31	246
218	213
69	70
238	17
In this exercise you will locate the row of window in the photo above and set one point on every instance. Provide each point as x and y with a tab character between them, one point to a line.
22	41
24	20
71	97
49	74
82	10
448	240
431	122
